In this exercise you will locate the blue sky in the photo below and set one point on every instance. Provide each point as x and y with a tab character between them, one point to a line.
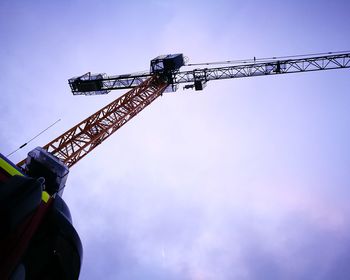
245	180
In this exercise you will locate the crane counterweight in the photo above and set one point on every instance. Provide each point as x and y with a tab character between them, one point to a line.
88	83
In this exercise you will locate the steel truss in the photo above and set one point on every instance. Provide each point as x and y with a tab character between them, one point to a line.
78	141
265	68
270	67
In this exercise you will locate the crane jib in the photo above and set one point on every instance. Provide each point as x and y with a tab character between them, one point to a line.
328	62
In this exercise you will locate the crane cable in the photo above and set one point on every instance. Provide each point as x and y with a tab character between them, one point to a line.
263	59
23	145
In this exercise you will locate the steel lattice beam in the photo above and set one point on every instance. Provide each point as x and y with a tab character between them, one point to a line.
270	67
265	68
78	141
125	82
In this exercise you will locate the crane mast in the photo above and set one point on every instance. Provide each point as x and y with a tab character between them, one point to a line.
78	141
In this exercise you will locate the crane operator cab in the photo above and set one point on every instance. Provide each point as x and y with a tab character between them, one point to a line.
166	66
37	237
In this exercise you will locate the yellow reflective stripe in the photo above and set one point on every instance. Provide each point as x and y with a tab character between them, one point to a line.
45	196
9	168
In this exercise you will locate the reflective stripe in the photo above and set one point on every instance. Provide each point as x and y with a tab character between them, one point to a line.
45	196
9	168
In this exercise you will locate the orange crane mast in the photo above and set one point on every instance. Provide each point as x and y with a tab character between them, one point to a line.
78	141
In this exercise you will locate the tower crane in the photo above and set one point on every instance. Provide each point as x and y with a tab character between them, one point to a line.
35	185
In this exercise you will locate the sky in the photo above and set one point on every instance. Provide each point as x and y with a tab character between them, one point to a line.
245	180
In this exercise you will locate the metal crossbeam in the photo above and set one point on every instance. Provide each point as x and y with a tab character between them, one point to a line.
125	81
